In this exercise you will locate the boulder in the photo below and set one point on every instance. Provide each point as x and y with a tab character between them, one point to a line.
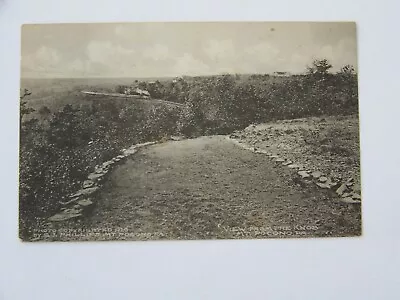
286	163
279	159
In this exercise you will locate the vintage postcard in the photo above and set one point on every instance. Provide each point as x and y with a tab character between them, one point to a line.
182	131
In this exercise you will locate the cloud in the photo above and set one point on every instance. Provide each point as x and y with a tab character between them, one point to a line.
263	52
111	59
188	65
169	49
156	52
106	52
45	59
339	54
219	50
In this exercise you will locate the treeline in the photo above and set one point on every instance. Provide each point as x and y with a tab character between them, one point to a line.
220	104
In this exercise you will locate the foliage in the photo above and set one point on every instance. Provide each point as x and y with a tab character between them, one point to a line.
319	67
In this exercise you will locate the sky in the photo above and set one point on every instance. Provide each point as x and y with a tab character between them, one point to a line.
176	49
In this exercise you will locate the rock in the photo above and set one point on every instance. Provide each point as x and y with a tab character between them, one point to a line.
303	174
332	184
323	185
87	191
143	144
101	170
350	200
356	196
323	179
279	160
341	189
73	199
77	206
85	202
130	151
294	166
66	215
95	176
286	163
316	174
345	195
273	156
357	188
73	211
260	151
87	184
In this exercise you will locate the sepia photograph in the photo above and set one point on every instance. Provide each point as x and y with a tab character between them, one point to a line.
189	131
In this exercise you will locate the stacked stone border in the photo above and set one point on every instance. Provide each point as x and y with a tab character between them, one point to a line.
342	189
81	201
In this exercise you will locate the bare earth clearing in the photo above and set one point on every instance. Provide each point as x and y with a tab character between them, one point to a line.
208	188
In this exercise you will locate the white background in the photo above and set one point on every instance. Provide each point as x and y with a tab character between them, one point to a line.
347	268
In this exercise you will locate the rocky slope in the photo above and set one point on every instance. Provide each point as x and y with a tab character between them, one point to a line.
323	149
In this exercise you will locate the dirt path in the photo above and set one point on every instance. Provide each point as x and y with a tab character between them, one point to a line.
209	188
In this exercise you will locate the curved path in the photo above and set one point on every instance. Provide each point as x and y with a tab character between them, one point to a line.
208	188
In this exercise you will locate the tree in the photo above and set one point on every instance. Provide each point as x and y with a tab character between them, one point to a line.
347	70
319	67
120	89
44	111
23	109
